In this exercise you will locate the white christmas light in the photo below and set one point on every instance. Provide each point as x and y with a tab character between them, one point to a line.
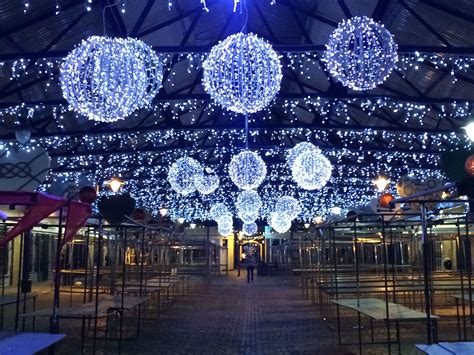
218	210
206	184
470	130
280	223
288	206
247	170
242	73
361	53
248	202
311	170
225	230
181	175
249	228
106	79
297	150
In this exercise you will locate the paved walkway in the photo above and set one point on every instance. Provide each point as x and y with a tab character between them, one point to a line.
233	317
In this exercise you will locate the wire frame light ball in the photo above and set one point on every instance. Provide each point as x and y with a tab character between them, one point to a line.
248	202
182	173
225	230
247	170
361	53
247	217
297	150
249	228
288	206
217	211
106	79
311	170
280	223
206	184
242	73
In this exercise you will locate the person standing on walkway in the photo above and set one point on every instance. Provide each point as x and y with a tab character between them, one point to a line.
250	261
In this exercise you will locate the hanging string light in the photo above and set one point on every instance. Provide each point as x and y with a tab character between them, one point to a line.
247	170
249	229
206	184
106	79
361	53
182	173
288	206
311	170
242	73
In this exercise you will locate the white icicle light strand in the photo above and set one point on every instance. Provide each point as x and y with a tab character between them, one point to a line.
311	170
249	228
106	79
288	206
248	202
206	184
361	53
247	170
242	73
181	175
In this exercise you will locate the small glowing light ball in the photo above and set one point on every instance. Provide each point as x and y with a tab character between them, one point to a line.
247	217
280	223
311	170
249	228
181	175
361	53
206	184
297	150
225	224
247	170
288	206
218	210
248	202
242	73
106	79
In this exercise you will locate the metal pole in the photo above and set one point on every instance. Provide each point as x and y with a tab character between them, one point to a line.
54	322
426	273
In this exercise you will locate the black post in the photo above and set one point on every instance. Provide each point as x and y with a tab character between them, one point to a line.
385	271
426	273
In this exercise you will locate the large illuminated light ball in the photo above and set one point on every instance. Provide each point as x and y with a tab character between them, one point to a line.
106	79
297	150
242	73
217	211
288	206
361	53
247	170
206	184
280	223
181	175
311	170
247	217
225	230
248	202
249	229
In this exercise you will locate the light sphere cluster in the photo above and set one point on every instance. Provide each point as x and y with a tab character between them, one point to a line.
288	206
247	217
248	202
247	170
206	184
361	53
311	170
107	79
242	73
182	173
225	224
249	228
280	223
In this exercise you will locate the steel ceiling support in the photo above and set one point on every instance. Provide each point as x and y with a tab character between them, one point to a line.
463	15
380	10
